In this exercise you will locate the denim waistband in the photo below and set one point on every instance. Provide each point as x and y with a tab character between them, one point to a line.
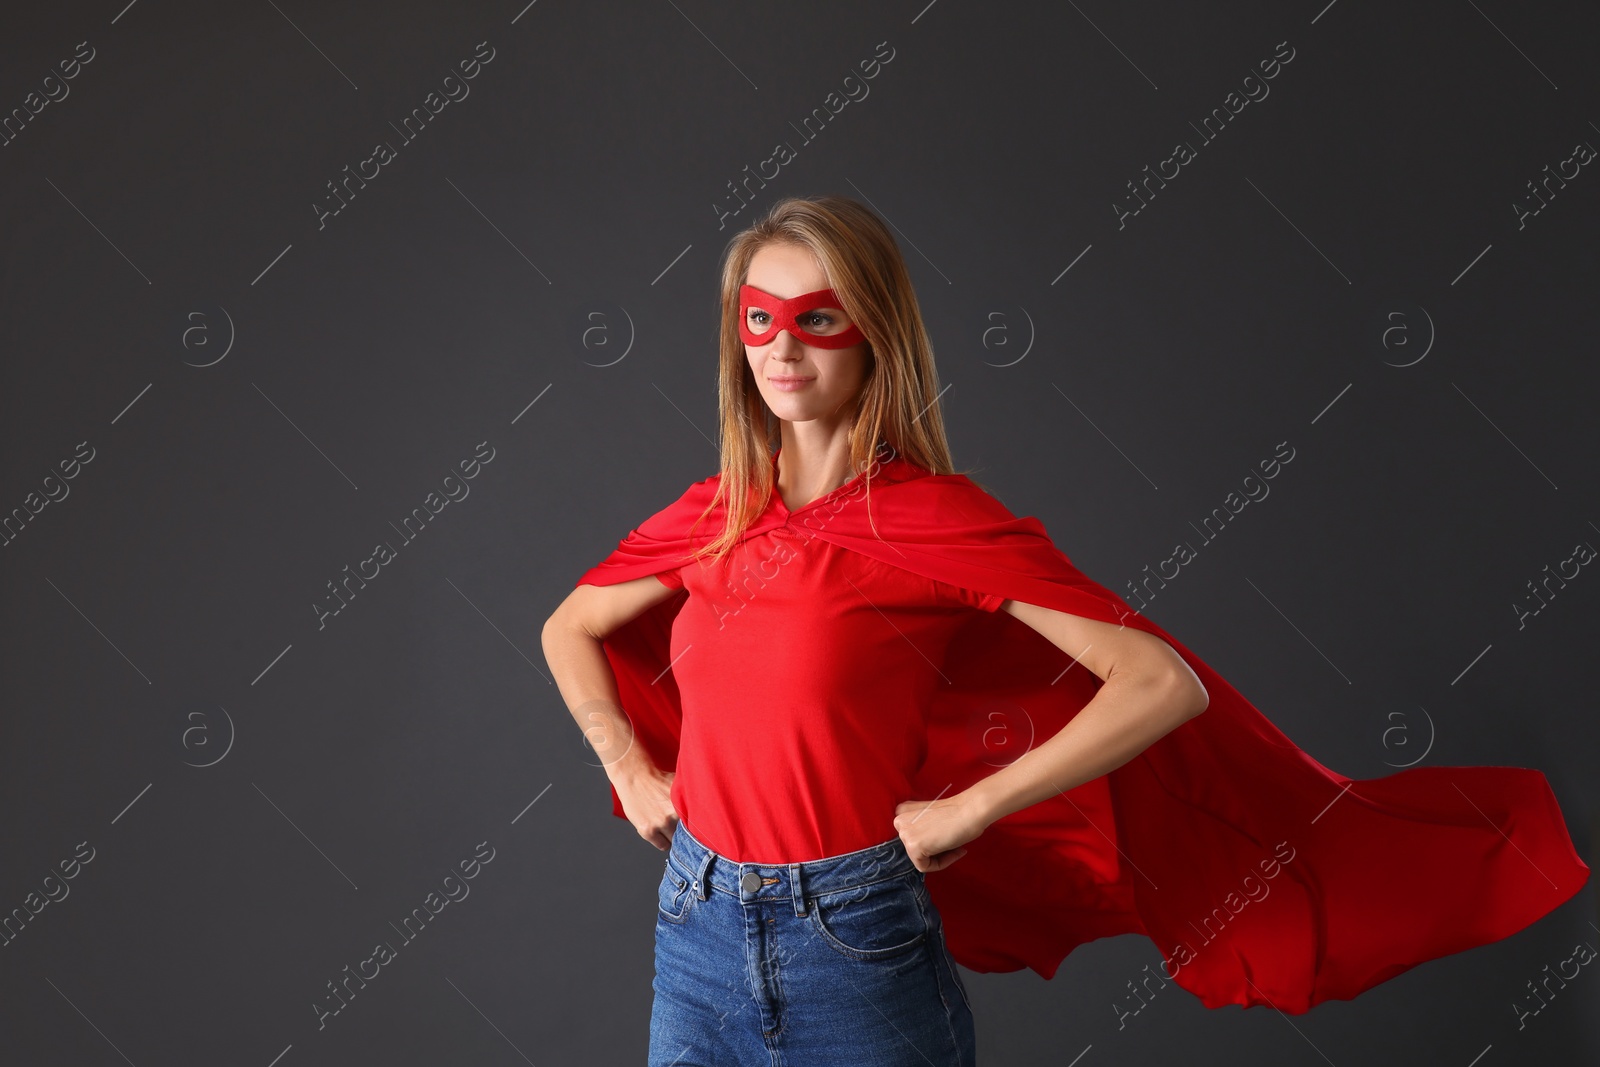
749	882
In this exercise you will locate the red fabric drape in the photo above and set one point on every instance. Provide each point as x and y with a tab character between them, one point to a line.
1262	876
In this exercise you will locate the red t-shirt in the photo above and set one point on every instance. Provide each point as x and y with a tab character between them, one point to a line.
803	669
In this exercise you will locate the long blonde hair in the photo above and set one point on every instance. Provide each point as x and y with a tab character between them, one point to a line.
898	405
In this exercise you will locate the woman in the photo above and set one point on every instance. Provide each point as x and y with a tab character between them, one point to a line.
846	648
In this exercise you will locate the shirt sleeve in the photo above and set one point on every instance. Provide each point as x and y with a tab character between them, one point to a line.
972	599
671	578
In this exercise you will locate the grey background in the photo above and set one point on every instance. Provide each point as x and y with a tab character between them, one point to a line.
160	615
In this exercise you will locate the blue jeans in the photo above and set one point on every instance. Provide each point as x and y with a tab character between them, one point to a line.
839	960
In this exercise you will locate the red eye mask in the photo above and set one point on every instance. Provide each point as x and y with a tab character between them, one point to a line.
785	315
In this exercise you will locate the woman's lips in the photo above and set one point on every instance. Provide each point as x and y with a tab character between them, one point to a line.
789	385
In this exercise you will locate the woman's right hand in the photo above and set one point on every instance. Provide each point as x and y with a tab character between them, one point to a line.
647	802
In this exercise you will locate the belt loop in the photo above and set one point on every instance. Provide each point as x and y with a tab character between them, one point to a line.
797	890
702	882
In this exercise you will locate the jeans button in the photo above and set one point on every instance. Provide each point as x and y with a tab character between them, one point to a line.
750	882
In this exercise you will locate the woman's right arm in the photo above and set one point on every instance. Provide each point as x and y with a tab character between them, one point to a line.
572	644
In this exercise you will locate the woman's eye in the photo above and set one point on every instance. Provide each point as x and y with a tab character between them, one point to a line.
820	319
758	318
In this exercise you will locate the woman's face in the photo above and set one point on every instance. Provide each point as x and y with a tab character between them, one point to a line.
802	382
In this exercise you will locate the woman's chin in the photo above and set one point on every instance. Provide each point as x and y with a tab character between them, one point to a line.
791	408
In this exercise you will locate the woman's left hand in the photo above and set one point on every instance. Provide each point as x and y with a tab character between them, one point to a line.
933	831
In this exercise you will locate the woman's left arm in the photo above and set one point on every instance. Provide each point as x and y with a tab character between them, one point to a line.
1149	690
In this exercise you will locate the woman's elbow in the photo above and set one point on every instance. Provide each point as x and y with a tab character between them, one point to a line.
1189	695
574	619
550	633
1180	689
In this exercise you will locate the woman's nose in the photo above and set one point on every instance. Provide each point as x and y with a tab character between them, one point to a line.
785	345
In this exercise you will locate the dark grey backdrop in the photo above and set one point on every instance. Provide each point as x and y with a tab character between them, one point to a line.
251	391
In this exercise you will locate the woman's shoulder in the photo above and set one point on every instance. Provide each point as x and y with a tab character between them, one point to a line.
957	494
696	498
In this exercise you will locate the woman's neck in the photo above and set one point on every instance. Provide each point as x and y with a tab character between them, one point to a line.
806	471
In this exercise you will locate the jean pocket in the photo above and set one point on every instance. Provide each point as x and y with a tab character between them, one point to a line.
673	896
879	921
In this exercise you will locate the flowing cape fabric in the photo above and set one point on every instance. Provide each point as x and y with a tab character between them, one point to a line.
1262	876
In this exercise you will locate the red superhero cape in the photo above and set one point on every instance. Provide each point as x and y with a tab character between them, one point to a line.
1261	875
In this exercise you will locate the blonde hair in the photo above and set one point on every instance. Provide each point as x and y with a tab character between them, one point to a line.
898	405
